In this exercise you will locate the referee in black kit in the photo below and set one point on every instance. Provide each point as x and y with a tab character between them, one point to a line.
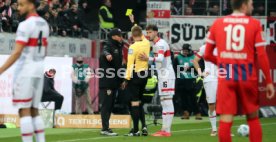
110	62
136	78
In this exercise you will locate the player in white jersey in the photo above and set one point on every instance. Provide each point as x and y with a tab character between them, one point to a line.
30	50
210	85
166	78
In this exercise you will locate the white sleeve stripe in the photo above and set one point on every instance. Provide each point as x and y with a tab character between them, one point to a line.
210	41
260	44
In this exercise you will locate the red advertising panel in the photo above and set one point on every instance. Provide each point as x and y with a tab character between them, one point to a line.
271	52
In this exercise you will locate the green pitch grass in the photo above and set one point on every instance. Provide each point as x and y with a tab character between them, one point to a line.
182	131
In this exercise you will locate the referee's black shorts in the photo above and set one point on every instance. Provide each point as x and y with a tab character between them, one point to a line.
136	86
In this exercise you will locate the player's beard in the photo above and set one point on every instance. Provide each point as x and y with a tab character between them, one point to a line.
23	16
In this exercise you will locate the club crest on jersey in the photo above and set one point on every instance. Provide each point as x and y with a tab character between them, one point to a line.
130	51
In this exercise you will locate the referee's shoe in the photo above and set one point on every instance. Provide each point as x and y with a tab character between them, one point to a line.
108	132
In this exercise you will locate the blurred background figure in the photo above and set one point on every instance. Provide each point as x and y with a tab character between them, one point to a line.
189	11
105	15
81	75
176	8
10	17
50	94
185	83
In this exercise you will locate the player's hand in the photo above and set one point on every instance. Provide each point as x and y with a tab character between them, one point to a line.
205	74
131	18
270	92
143	57
124	85
109	58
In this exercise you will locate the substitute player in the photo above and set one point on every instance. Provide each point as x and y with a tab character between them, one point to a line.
166	78
210	85
239	41
30	50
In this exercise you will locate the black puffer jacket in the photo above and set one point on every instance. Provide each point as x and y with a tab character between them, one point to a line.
114	48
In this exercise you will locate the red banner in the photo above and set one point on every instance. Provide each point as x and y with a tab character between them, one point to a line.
161	13
271	52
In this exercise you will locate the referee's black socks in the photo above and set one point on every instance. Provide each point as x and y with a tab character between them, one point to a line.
142	116
135	114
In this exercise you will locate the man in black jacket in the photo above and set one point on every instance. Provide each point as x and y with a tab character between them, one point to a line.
50	94
110	62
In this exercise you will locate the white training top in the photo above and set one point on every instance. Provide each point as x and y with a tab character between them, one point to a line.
210	68
163	60
33	33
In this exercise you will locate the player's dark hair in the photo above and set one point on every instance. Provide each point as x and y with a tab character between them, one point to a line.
237	4
136	31
32	1
152	27
35	2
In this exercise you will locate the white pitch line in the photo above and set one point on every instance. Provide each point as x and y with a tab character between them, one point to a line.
191	130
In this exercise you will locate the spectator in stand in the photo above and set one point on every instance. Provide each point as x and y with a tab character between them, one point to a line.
260	11
2	6
43	8
214	10
105	16
73	21
62	24
188	11
10	17
176	8
53	22
83	13
54	4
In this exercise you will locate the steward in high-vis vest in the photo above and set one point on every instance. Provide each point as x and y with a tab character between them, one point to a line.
150	89
105	16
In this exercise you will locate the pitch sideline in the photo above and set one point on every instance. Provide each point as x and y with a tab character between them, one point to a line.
191	130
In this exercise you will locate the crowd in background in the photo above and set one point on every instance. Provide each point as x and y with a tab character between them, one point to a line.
78	18
210	7
65	17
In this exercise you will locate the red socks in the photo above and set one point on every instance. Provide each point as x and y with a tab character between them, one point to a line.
255	130
224	131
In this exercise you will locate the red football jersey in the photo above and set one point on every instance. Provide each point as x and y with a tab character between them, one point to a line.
238	39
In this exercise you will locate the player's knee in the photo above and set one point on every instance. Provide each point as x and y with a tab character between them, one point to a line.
34	112
212	107
24	112
60	97
226	117
252	115
135	103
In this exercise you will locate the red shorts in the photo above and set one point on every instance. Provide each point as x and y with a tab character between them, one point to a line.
237	97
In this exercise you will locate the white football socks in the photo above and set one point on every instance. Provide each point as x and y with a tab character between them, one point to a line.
168	114
26	128
213	120
39	129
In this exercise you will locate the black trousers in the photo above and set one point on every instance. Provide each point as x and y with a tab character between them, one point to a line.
107	100
53	96
187	94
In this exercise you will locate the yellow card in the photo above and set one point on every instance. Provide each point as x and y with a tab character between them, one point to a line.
129	12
